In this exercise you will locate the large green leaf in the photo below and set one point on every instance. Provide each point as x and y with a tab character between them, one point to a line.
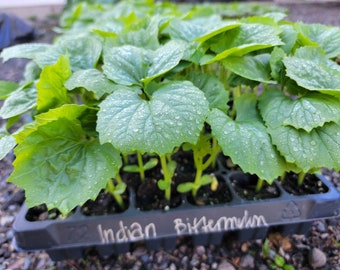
56	165
164	59
214	29
29	51
129	65
19	101
311	150
213	89
289	37
51	90
68	111
92	80
175	114
7	87
313	71
246	140
256	68
244	39
83	51
327	37
7	143
126	65
309	111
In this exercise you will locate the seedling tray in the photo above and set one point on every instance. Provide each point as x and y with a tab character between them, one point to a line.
117	233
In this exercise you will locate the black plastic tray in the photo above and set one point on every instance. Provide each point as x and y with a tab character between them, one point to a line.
240	219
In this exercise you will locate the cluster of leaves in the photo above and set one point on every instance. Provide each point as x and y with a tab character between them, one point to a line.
150	77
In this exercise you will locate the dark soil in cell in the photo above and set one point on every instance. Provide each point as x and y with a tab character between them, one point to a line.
311	185
245	186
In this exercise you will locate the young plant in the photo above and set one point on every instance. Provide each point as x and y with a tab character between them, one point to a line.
204	154
141	167
141	77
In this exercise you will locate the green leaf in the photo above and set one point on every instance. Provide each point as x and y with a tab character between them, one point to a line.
56	165
164	59
213	89
152	163
308	150
120	188
51	90
311	111
29	51
288	267
254	68
247	137
185	187
185	30
279	260
327	37
7	143
126	65
206	179
83	51
163	185
69	111
244	39
19	101
276	65
175	114
6	88
289	37
306	112
131	168
216	28
313	71
92	80
129	65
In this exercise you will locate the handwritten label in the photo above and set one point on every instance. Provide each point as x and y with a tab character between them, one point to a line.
202	224
136	232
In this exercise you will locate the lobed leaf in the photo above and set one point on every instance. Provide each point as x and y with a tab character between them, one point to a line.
83	51
320	147
29	51
51	90
314	74
19	101
256	68
129	65
175	114
327	37
92	80
7	87
56	165
213	89
246	140
244	39
7	143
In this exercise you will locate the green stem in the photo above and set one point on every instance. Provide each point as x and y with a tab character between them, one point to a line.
141	166
197	181
259	185
111	189
167	177
301	177
215	150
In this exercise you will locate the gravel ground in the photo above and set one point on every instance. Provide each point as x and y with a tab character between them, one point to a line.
318	248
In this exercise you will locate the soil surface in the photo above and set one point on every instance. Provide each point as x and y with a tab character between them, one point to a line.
317	248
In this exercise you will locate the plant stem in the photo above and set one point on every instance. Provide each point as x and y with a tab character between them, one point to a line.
111	189
259	185
167	176
301	177
197	181
141	166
